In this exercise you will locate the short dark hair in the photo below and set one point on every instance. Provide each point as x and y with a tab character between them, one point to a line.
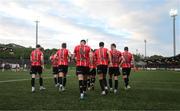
83	41
63	45
38	46
93	50
126	48
101	44
113	44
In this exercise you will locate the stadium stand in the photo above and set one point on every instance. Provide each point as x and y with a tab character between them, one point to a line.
168	63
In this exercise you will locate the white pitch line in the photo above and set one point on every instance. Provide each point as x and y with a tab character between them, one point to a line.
156	82
18	80
157	88
14	80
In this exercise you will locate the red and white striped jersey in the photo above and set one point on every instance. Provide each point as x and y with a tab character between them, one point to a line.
82	55
116	57
127	59
62	56
93	64
35	57
101	55
54	60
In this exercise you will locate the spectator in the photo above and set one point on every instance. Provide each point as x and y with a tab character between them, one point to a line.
3	66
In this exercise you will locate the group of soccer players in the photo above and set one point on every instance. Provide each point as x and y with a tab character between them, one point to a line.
88	63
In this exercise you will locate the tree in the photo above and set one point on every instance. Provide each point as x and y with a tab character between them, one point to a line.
138	57
156	57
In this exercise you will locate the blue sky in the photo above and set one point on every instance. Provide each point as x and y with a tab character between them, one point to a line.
124	22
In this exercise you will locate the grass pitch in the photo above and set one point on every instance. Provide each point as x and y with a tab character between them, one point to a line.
153	90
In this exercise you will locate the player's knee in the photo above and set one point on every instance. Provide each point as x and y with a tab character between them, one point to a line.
115	77
61	74
100	76
33	76
124	76
80	77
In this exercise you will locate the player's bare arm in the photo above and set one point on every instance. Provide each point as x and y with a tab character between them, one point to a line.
122	60
133	61
110	59
69	56
91	57
42	61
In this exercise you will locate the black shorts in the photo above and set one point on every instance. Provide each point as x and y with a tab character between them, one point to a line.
82	70
63	69
55	70
36	70
126	71
114	70
102	69
92	72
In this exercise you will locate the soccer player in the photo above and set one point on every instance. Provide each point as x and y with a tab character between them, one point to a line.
126	64
37	64
63	54
102	56
92	72
114	70
54	63
82	56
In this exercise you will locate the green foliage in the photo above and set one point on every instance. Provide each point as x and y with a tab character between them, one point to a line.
48	53
137	58
156	57
20	52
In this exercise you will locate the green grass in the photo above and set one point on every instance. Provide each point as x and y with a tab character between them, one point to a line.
154	90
